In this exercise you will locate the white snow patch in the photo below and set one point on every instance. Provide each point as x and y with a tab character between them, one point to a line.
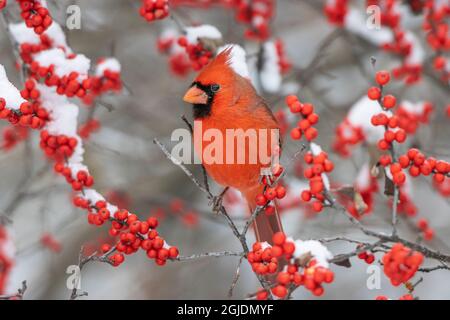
360	115
202	31
270	74
417	55
64	120
238	60
63	65
315	149
22	34
355	22
111	64
9	92
362	181
316	249
415	108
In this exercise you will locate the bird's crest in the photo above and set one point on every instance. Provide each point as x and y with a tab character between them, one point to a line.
218	68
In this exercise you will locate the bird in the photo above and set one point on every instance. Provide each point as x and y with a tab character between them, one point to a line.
222	99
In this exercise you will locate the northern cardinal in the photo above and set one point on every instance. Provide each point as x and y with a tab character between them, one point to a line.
222	99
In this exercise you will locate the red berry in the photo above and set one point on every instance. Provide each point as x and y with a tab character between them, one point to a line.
261	200
279	238
374	93
389	101
279	291
382	77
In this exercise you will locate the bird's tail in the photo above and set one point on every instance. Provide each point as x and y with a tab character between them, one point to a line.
265	225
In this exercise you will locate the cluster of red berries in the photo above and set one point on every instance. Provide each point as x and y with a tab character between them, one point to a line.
389	122
411	73
347	135
410	121
438	36
68	85
28	115
179	62
336	11
48	241
419	164
367	256
77	180
309	118
425	229
58	147
32	114
265	260
382	119
12	135
152	10
319	164
28	49
197	53
109	81
3	4
61	147
283	62
133	234
271	191
86	129
401	263
401	44
256	15
35	15
313	277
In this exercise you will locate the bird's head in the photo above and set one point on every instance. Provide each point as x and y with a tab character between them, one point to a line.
214	86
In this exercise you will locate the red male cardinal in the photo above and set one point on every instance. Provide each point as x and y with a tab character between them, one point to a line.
222	99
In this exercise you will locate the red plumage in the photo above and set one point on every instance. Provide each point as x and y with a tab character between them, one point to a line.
236	105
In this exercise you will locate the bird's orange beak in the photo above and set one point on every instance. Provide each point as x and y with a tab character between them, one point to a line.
196	95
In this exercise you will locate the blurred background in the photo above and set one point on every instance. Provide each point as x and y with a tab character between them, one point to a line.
129	169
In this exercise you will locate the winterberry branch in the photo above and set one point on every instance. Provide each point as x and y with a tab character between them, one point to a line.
210	254
240	236
18	295
82	261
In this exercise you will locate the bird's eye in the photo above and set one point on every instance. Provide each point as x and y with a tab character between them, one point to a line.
215	87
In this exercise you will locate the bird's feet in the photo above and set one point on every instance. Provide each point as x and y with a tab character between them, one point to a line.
216	201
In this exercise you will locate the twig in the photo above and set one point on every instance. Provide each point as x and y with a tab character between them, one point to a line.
18	295
82	261
210	254
235	278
